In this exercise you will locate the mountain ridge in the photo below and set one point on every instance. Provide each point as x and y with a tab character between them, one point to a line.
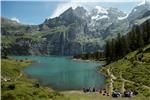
74	32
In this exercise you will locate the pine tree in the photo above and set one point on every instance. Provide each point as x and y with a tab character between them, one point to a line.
108	51
132	40
125	45
140	41
113	46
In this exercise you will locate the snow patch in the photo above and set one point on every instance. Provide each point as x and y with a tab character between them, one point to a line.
101	10
15	19
104	16
122	18
143	2
134	10
97	17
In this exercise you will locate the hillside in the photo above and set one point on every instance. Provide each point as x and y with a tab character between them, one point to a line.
16	86
132	72
75	31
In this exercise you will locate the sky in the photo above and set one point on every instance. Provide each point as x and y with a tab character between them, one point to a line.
35	12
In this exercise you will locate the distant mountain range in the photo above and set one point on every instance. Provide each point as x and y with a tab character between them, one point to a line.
75	31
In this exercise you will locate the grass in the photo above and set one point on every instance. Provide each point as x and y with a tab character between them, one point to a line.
135	68
12	68
18	87
25	89
77	95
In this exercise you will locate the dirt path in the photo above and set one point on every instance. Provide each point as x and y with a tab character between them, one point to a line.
124	80
122	84
112	78
20	74
135	82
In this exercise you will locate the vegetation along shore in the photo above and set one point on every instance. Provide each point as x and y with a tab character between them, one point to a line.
16	86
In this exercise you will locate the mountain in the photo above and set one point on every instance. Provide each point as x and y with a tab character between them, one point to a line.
75	31
6	21
106	22
81	30
128	59
139	11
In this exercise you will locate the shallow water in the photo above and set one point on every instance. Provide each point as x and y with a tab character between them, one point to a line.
62	73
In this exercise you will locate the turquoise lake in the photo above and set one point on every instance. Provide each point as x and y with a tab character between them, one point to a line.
62	73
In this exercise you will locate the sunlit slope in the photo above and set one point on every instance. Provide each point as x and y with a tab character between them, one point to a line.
133	70
16	86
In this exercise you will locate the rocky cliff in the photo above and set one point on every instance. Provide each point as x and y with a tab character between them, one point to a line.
75	31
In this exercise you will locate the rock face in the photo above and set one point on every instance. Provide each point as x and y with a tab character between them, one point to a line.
75	31
139	11
78	30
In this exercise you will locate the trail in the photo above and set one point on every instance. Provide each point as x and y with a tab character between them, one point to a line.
112	78
20	74
122	86
135	82
124	80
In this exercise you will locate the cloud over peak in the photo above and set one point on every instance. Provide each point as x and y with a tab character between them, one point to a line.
63	7
74	3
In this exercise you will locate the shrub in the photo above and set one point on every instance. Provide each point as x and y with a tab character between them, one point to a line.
11	87
8	96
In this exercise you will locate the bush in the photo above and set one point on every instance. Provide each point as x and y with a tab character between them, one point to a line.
8	96
37	85
55	94
11	87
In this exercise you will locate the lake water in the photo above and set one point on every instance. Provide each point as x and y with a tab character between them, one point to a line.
62	73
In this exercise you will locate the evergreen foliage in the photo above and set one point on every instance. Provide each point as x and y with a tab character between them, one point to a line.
137	38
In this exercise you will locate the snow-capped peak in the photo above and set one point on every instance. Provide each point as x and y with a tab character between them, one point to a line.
101	10
143	2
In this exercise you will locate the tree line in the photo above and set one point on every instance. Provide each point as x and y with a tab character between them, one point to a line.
118	47
94	56
137	38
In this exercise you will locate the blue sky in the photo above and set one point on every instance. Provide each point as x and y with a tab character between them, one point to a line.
28	12
31	12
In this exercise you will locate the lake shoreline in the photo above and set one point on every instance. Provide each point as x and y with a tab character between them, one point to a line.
15	83
36	81
88	60
48	86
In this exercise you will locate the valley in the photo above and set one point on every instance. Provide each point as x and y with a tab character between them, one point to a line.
82	54
75	31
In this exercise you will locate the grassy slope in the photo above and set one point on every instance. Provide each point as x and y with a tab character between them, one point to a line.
24	89
134	69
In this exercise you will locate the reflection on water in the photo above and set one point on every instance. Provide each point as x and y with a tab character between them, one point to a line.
64	74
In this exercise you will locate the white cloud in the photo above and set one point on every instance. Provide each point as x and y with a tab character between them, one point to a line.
62	7
106	0
82	0
74	3
15	19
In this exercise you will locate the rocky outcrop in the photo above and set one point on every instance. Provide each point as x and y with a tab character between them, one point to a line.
73	32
